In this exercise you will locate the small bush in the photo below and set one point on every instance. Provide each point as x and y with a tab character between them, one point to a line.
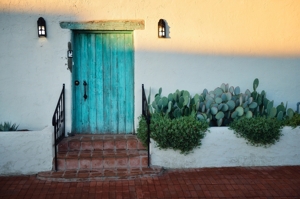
7	126
293	122
258	131
183	134
142	131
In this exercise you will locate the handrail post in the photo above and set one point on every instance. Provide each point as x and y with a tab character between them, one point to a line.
58	121
146	114
55	149
148	126
64	112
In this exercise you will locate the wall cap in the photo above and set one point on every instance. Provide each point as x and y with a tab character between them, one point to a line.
105	25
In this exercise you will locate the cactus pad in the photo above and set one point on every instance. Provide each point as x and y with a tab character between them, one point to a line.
237	90
273	112
234	114
170	97
219	122
214	110
249	114
280	115
280	108
240	111
218	91
231	105
253	105
290	113
255	84
231	89
225	107
218	100
164	101
219	115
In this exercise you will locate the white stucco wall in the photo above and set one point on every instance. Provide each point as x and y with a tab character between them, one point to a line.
221	148
209	42
26	152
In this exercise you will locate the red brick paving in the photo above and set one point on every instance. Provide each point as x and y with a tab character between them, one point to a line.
235	182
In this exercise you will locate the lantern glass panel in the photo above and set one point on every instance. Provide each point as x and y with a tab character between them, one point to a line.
161	28
41	27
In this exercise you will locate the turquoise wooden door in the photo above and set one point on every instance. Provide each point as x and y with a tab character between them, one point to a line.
103	99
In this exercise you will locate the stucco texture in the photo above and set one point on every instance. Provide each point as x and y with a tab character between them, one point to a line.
209	42
26	152
222	148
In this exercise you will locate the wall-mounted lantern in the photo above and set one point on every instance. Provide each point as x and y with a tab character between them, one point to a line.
161	29
41	26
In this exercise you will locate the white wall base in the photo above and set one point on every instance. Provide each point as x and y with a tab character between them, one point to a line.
30	152
26	152
221	148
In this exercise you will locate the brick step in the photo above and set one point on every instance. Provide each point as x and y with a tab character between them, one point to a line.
87	142
102	159
102	153
87	157
100	174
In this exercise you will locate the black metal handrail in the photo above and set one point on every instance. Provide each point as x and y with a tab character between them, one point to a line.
58	121
146	114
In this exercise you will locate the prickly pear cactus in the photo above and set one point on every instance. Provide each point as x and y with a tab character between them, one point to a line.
220	106
266	107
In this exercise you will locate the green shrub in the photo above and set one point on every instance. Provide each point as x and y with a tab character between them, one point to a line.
183	134
258	131
142	131
7	126
293	122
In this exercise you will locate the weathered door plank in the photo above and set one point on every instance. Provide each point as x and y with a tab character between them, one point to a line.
105	62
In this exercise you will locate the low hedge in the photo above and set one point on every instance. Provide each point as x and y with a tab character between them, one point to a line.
183	134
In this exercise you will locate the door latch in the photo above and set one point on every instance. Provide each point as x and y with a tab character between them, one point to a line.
85	85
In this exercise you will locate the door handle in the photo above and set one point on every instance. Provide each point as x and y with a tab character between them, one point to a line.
85	85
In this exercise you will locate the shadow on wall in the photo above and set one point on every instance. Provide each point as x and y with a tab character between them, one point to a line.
34	69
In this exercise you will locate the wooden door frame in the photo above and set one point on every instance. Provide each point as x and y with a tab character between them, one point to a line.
106	25
128	125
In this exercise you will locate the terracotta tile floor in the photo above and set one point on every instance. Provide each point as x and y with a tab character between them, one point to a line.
236	182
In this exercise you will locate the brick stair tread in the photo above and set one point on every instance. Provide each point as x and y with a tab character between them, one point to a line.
86	142
100	174
105	162
101	153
